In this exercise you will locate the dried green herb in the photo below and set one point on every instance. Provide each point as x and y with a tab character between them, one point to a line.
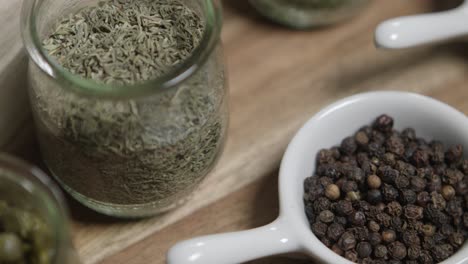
123	42
151	151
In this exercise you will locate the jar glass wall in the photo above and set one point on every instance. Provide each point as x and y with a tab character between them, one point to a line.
308	13
131	150
30	197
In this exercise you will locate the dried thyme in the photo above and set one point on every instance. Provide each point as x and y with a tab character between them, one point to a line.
123	42
130	152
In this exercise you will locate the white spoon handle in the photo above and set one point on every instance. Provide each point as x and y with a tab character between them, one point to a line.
404	32
236	247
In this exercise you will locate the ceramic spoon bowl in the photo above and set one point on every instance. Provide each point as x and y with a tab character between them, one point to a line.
290	232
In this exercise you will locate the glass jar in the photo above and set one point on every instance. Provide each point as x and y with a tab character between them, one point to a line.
308	13
29	191
128	150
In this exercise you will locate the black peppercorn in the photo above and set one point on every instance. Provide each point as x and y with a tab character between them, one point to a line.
383	123
384	219
411	238
326	216
389	193
321	204
358	218
341	220
442	252
326	241
453	176
454	153
425	257
373	226
394	209
420	158
335	231
374	196
455	208
328	170
351	255
408	196
364	249
408	134
395	145
414	251
348	146
434	183
361	138
397	250
438	200
319	229
375	239
418	184
349	186
325	156
413	212
423	198
388	174
456	239
465	220
401	182
446	230
398	224
461	187
380	251
335	248
344	208
347	241
360	233
389	158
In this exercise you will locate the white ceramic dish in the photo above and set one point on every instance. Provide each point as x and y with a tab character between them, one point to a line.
290	232
409	31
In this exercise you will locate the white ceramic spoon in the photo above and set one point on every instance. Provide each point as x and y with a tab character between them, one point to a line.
290	232
409	31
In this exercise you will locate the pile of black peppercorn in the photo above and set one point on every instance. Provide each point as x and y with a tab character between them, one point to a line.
385	196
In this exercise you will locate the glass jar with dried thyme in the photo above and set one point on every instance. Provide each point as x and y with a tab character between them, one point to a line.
308	13
129	98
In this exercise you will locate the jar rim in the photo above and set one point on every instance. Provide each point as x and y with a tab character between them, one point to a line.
34	47
38	184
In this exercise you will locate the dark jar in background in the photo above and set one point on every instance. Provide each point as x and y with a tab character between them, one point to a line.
304	14
32	207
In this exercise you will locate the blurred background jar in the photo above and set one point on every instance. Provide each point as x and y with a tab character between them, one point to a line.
33	217
304	14
131	150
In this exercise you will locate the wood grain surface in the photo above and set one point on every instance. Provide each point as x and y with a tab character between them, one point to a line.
278	79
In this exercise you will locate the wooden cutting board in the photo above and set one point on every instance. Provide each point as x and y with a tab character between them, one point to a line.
278	79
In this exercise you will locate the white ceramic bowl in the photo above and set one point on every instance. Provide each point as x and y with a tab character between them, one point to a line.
409	31
290	232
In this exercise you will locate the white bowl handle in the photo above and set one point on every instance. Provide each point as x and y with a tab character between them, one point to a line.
409	31
235	247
